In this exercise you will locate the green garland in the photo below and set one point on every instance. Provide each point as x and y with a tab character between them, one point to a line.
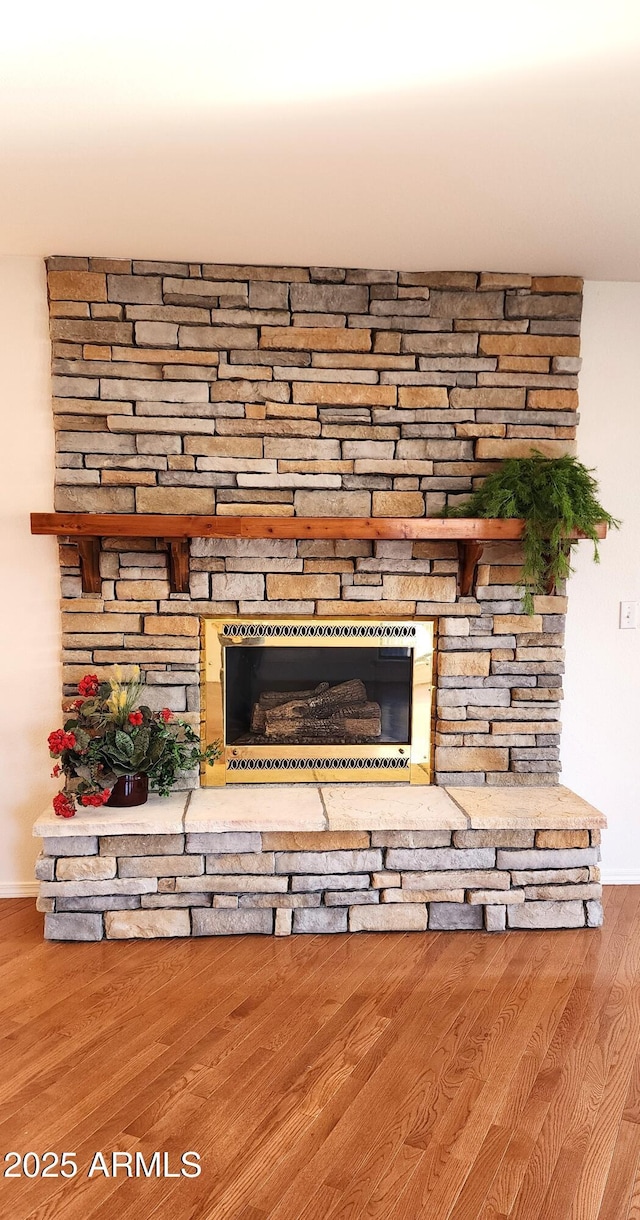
554	496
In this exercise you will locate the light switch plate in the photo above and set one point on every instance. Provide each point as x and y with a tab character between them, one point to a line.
628	615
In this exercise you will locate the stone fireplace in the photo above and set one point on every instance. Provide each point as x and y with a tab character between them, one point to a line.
251	402
286	392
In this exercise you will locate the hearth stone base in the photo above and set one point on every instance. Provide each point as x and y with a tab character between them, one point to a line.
323	859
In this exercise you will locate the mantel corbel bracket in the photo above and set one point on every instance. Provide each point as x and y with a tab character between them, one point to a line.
469	556
177	564
89	553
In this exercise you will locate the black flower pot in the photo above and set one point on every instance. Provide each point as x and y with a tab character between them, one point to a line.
129	790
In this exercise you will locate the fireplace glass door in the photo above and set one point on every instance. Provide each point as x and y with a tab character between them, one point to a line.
320	696
318	699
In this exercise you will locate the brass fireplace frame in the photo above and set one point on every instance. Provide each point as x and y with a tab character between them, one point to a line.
410	761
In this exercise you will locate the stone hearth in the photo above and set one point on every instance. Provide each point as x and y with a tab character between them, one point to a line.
309	859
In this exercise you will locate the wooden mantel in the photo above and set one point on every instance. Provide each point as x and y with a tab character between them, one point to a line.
469	532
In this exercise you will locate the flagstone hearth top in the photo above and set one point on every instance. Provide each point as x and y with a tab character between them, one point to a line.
390	807
252	807
527	808
314	807
160	815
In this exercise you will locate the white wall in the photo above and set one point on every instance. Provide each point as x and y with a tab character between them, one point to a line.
423	135
601	715
29	617
601	739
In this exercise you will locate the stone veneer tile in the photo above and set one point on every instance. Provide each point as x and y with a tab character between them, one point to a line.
546	915
570	857
231	923
394	895
552	876
241	862
126	925
73	927
45	866
390	807
283	922
322	840
381	880
85	868
490	878
448	917
160	866
558	838
280	901
74	845
230	841
415	859
97	902
141	845
149	901
500	897
223	883
555	808
558	892
320	919
495	918
84	889
342	898
405	917
493	838
329	861
413	838
332	881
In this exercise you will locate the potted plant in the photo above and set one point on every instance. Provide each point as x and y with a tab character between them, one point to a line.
554	496
113	746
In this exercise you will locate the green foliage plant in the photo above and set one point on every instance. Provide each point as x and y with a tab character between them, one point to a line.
554	496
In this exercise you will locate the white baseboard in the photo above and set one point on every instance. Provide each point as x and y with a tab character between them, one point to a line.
631	877
19	889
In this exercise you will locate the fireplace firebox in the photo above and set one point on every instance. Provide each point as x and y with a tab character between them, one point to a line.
313	699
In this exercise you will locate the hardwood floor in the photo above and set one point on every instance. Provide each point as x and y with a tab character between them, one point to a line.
450	1076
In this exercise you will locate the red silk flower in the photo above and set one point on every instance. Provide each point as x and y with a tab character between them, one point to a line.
89	685
63	806
95	798
59	741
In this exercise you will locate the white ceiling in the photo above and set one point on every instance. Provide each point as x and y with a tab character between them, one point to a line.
501	135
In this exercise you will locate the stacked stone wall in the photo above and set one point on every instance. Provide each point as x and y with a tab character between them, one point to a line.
129	886
200	388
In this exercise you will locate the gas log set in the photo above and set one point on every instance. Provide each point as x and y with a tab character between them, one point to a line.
331	714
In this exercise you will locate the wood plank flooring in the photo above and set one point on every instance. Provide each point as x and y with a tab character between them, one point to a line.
444	1076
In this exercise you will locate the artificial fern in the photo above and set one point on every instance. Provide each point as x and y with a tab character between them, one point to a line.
554	496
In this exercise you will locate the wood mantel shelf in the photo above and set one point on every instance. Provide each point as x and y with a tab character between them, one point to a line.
469	532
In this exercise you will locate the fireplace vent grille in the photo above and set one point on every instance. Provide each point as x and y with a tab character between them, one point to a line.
341	631
318	764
